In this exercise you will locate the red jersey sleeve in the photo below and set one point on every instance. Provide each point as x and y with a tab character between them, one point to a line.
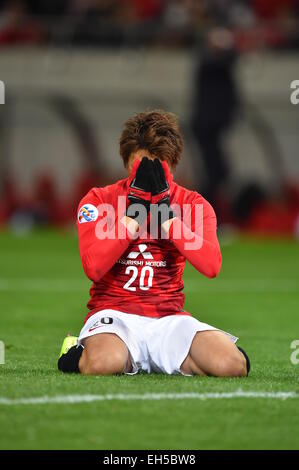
198	243
97	255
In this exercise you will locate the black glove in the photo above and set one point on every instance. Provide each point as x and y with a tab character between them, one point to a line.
160	193
140	192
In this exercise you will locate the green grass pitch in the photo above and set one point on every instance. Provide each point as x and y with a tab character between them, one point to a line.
43	293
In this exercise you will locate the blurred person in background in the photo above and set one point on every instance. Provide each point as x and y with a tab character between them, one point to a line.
279	20
228	13
144	10
176	29
215	106
97	22
17	26
114	22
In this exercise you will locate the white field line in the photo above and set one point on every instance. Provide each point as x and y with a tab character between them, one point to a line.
72	399
249	285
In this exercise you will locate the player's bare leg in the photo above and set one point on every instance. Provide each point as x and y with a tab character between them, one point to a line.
105	354
213	353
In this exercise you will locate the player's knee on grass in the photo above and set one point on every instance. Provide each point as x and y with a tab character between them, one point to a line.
104	355
104	363
231	365
213	353
228	366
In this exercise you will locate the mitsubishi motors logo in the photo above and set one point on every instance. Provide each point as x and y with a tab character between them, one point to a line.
141	258
142	251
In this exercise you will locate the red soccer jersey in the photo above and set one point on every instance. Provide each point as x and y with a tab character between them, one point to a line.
144	277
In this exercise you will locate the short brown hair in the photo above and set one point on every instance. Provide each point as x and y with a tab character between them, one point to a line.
157	132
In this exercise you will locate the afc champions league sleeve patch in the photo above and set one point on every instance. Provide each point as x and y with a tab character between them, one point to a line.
87	213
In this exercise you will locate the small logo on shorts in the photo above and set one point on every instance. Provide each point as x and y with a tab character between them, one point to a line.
95	327
104	321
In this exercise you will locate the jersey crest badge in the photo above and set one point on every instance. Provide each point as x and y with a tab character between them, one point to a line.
87	213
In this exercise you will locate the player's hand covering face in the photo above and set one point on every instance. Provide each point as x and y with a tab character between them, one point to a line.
149	187
139	193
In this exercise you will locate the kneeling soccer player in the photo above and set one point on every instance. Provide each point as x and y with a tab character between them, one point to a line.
134	239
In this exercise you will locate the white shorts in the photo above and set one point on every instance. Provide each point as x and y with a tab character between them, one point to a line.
155	344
